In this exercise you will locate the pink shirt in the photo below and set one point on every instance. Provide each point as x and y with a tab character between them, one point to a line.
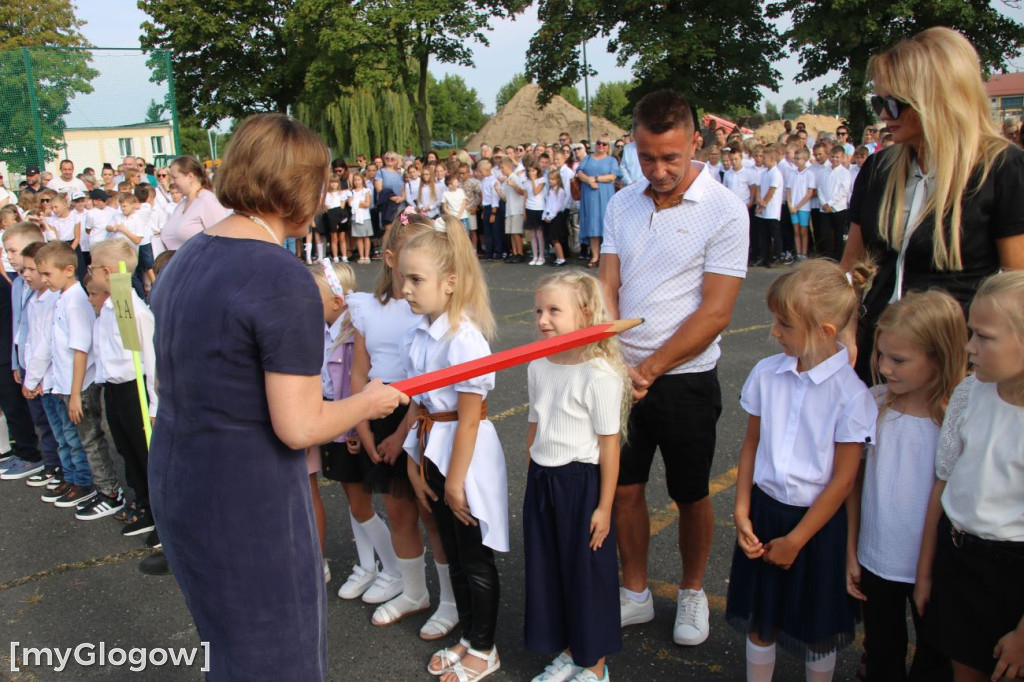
201	214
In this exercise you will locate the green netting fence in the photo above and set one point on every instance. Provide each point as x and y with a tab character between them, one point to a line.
90	105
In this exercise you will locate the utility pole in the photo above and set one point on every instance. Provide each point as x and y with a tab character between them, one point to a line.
586	91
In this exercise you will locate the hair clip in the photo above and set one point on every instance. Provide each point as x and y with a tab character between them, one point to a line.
403	218
332	279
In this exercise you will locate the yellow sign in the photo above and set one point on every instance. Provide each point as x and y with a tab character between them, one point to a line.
121	296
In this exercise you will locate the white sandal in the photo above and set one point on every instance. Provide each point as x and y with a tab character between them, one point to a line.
439	625
391	612
448	657
464	674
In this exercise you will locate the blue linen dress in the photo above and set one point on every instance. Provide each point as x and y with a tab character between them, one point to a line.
593	202
232	501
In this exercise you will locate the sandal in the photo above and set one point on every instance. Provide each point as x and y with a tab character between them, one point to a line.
439	624
447	657
398	609
593	264
464	674
129	513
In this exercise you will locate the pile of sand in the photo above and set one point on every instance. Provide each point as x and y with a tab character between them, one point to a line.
815	124
522	120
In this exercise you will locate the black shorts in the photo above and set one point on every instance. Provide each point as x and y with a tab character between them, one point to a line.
145	257
677	416
338	464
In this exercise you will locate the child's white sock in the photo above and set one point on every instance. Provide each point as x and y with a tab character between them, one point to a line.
380	536
414	577
364	546
5	438
638	597
445	582
760	662
309	249
821	669
320	248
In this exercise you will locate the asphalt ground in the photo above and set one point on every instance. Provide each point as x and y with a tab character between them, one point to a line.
65	582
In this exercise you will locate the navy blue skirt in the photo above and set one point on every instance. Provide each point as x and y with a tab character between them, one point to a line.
572	591
804	609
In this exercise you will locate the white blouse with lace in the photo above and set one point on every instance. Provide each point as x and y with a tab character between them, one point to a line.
981	456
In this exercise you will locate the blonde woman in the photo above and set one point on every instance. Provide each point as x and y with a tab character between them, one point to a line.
949	165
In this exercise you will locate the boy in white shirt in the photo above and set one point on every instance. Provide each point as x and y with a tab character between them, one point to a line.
821	169
787	166
800	190
737	179
454	202
493	229
769	210
74	370
512	191
121	395
133	225
835	202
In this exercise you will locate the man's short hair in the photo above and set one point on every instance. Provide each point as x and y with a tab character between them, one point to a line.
31	250
663	110
58	254
110	251
29	230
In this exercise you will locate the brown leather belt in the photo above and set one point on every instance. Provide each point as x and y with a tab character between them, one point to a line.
425	423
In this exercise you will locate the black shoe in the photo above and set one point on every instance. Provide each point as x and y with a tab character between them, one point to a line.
155	564
140	525
153	540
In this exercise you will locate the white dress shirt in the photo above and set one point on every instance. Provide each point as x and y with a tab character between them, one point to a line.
118	366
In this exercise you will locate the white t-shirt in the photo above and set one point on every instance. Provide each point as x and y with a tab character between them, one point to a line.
981	460
664	255
334	199
772	178
738	182
73	319
800	182
803	416
383	326
96	221
515	203
535	200
58	184
358	196
572	405
454	203
900	465
65	227
488	191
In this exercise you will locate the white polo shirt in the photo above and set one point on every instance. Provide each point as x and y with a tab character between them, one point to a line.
738	182
798	184
803	416
663	256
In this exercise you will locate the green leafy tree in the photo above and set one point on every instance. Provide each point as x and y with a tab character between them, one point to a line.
771	111
793	107
56	77
509	90
362	121
821	34
155	112
611	101
455	107
717	53
572	95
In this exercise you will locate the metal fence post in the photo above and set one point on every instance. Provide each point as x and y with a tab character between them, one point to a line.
35	107
174	103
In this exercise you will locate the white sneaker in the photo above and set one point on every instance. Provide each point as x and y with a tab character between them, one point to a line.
358	582
385	588
561	669
634	612
692	614
584	675
327	572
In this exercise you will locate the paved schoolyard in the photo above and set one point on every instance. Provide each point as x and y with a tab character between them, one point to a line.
64	582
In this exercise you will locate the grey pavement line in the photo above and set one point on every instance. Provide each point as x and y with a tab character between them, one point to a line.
60	569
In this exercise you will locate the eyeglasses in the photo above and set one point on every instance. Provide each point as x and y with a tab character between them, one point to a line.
161	175
842	133
90	269
602	144
889	104
44	201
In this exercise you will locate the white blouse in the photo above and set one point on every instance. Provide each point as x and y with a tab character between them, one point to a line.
432	347
898	467
803	416
981	457
383	326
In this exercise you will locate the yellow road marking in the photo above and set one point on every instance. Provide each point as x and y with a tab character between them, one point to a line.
665	517
744	330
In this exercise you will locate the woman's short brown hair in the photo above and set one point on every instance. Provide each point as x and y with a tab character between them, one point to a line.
274	165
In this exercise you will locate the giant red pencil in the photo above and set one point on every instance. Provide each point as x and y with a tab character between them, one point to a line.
512	357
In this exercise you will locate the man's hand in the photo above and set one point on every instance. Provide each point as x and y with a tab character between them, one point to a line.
640	382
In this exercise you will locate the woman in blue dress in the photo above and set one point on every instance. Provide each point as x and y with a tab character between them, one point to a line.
239	345
597	175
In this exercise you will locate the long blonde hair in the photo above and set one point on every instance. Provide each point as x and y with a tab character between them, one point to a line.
427	170
347	279
1006	291
591	310
452	254
403	227
934	322
937	72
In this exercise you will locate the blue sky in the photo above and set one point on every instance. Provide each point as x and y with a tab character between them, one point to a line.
115	23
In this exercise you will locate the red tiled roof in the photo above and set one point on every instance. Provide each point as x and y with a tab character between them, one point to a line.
1005	84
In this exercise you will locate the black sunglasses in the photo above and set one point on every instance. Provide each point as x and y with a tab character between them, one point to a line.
889	104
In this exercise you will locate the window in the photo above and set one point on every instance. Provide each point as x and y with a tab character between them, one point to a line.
156	143
124	144
1013	102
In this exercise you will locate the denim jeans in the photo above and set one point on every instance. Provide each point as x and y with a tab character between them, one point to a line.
73	460
94	440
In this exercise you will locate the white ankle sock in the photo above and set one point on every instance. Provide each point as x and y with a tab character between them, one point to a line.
638	597
380	536
364	545
309	249
445	581
414	577
760	662
821	669
320	248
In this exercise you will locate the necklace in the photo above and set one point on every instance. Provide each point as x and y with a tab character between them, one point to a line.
263	223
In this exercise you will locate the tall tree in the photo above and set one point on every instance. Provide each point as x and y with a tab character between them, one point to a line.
32	109
793	107
572	95
455	108
771	111
821	35
718	53
362	121
611	101
509	90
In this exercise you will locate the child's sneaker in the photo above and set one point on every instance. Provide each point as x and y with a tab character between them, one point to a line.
6	460
41	478
585	675
327	573
100	505
559	670
57	479
74	495
358	582
137	524
153	540
385	588
55	493
20	468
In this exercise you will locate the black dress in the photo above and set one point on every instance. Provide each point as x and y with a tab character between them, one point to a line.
233	503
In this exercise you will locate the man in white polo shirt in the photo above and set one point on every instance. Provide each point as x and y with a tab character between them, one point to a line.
675	254
67	182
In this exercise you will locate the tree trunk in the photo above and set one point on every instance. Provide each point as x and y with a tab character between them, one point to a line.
855	97
420	109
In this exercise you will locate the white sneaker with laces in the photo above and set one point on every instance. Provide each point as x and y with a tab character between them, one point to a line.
384	588
692	615
561	669
634	612
358	582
